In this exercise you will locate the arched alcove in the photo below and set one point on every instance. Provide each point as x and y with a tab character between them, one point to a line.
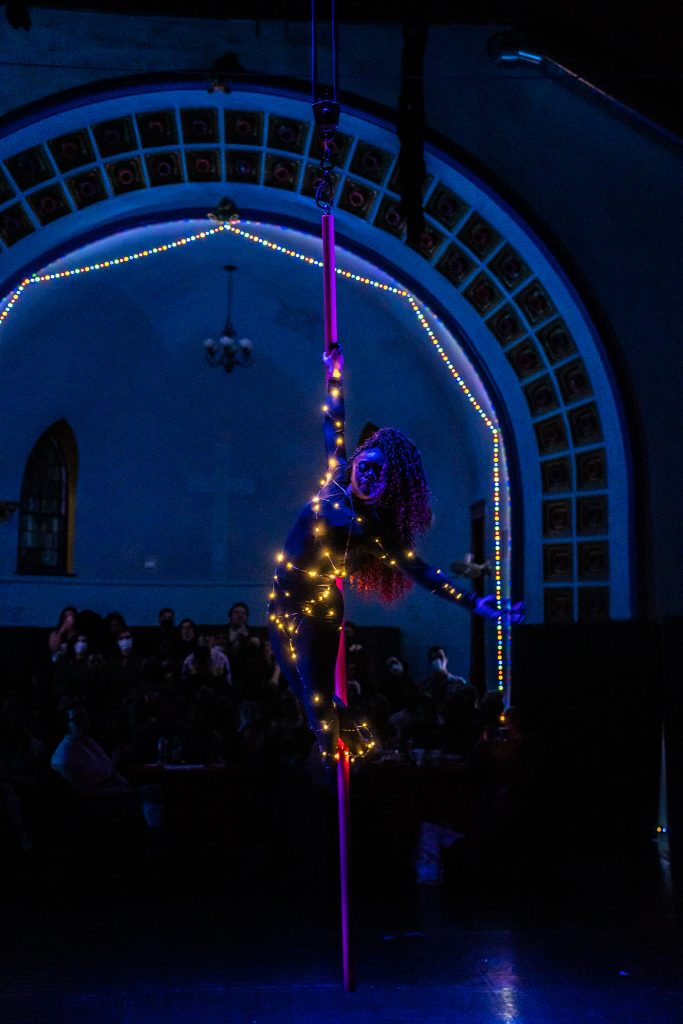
133	157
47	511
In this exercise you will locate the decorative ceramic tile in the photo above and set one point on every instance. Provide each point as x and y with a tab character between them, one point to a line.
281	172
593	560
30	167
203	164
593	604
591	470
200	125
541	396
370	162
557	518
482	293
478	235
585	425
390	218
87	188
158	128
357	198
288	134
446	207
72	150
556	475
506	325
558	562
551	435
455	265
558	605
525	359
15	224
244	127
243	166
115	136
164	168
126	175
49	203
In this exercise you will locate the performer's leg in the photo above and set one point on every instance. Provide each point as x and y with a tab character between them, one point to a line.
307	659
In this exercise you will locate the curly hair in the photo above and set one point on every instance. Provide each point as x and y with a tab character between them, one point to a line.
404	509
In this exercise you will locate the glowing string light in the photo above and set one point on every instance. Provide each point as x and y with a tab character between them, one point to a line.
502	627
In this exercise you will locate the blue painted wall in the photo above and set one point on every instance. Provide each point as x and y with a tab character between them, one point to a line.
189	478
605	192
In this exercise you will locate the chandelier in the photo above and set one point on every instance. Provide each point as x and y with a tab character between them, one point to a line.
228	351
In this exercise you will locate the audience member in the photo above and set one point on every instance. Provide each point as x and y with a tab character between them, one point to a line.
113	626
439	684
207	660
63	634
125	666
91	774
241	642
166	737
187	640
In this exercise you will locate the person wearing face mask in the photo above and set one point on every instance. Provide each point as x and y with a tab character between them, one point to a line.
396	682
125	666
360	525
440	684
70	675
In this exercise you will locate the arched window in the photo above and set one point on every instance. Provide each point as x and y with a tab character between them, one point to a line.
48	504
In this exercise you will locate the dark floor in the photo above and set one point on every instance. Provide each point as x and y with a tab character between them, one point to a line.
172	946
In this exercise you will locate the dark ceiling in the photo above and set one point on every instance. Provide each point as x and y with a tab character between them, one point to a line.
633	53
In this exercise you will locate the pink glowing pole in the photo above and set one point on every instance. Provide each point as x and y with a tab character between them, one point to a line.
343	764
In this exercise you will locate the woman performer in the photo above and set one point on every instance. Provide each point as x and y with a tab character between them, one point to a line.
361	525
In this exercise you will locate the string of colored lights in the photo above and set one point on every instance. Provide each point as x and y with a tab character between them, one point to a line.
503	636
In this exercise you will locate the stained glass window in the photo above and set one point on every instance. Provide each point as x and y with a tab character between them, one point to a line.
44	516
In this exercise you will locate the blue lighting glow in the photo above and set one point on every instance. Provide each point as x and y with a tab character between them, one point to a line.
500	489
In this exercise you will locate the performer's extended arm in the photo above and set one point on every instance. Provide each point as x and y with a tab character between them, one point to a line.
443	585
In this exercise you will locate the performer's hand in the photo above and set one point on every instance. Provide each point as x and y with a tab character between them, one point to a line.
488	608
334	360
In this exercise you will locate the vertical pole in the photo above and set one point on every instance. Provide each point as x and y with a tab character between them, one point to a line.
343	765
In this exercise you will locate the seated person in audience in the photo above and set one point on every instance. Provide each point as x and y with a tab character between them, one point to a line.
63	634
90	773
207	660
167	637
427	731
166	736
461	722
491	714
125	665
240	639
187	639
166	618
114	625
440	683
377	710
395	682
357	659
202	718
258	674
290	730
69	680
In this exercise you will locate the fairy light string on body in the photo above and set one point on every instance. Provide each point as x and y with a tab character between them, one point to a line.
249	233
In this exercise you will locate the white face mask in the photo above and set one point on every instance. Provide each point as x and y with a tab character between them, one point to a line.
125	646
438	664
396	669
80	647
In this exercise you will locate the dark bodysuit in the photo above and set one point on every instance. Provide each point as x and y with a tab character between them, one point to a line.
306	606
